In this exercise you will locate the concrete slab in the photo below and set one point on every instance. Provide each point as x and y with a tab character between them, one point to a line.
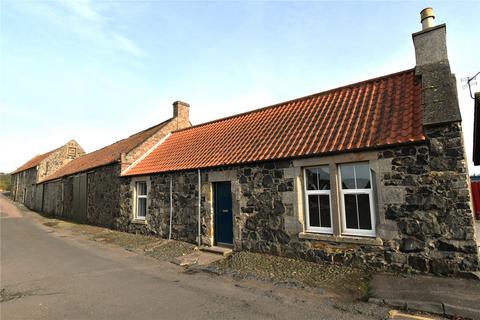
449	296
197	258
399	315
217	250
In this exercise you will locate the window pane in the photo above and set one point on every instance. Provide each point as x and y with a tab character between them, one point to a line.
364	211
141	188
323	178
351	219
348	177
318	178
319	211
325	211
362	172
312	181
314	210
142	207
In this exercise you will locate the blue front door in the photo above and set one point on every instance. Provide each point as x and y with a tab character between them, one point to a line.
222	202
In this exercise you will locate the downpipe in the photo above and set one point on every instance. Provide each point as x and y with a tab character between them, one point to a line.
171	209
199	209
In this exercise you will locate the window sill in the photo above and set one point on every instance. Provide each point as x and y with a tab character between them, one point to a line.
340	239
139	221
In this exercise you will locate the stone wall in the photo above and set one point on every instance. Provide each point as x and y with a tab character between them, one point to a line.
103	195
185	207
53	198
23	187
61	156
436	221
24	183
424	220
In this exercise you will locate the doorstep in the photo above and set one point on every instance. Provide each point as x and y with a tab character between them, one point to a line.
224	251
199	258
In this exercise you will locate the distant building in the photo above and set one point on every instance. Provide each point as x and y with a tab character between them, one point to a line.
88	188
25	179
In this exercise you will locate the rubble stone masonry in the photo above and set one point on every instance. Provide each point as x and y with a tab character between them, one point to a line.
424	217
103	195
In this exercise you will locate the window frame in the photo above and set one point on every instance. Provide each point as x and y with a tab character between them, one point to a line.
343	192
138	196
307	192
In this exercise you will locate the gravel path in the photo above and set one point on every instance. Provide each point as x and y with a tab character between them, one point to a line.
342	280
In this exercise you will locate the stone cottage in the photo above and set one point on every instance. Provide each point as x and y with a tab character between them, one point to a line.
373	173
88	188
25	187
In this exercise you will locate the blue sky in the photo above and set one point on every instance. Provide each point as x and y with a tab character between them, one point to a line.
98	71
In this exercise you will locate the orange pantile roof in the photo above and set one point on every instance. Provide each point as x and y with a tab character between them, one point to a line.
373	113
106	155
35	161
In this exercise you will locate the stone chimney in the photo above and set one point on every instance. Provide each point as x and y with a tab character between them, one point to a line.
432	67
181	111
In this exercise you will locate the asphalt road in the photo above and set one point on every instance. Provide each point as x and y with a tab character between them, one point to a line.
50	275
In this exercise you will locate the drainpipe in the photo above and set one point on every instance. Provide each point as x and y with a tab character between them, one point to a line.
171	211
199	209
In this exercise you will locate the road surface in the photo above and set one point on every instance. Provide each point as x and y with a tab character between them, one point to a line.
50	275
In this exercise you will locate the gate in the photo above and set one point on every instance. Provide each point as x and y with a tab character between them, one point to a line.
79	203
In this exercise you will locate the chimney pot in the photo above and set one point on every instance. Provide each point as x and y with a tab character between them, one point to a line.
426	18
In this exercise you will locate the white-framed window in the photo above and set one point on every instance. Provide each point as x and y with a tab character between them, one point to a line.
318	199
140	200
356	198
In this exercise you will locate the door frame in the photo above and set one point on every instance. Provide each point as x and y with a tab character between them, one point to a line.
214	216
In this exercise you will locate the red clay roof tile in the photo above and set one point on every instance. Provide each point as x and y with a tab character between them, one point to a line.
35	161
107	155
378	112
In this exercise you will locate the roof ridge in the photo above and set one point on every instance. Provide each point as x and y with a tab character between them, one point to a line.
364	115
161	123
115	154
296	99
143	131
131	136
44	154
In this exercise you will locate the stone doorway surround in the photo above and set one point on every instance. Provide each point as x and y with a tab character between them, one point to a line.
225	176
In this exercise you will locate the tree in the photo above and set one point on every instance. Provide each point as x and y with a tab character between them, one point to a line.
5	182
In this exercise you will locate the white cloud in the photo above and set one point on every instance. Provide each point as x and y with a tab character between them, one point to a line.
85	19
127	45
82	8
